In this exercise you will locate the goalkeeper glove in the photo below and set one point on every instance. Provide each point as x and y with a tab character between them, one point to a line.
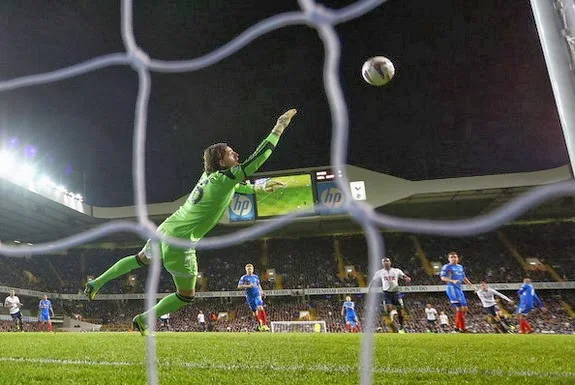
270	185
283	122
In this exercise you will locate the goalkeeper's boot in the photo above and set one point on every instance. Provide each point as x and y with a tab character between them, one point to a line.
90	290
139	324
265	328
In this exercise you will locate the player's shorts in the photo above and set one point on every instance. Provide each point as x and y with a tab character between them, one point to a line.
392	298
524	309
44	317
350	320
431	321
492	310
182	264
254	302
456	296
16	315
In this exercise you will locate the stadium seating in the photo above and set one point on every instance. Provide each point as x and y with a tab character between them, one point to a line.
312	262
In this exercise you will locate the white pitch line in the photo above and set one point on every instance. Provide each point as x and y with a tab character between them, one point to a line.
298	368
382	370
65	362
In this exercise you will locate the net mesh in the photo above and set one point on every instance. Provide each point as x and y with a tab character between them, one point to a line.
324	21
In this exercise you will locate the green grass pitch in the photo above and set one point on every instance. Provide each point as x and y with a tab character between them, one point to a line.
297	195
265	358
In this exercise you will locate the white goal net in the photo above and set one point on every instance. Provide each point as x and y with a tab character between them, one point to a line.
324	20
299	327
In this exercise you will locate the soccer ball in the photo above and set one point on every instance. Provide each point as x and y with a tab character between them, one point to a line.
378	70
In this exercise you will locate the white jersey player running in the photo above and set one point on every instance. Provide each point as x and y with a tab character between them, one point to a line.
389	277
13	303
487	297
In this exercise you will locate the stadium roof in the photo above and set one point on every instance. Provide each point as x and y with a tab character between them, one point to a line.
29	217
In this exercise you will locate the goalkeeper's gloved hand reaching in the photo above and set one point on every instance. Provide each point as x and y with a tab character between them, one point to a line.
284	121
271	185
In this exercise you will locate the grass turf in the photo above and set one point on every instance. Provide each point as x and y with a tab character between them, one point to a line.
265	358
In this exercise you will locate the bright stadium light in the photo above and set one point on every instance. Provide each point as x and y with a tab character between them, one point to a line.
7	162
24	173
44	181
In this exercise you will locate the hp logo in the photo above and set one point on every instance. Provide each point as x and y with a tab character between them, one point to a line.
332	198
241	205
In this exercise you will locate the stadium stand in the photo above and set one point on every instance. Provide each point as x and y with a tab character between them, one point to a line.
313	261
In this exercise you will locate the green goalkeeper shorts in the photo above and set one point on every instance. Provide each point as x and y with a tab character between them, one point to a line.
182	264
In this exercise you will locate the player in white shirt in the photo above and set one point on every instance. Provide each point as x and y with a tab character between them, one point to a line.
431	315
13	303
165	319
487	297
444	322
202	320
389	277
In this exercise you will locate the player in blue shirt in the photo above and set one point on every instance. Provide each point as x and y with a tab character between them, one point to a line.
46	311
528	300
251	284
454	275
348	311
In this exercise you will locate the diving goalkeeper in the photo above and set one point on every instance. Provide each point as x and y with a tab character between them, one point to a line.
223	175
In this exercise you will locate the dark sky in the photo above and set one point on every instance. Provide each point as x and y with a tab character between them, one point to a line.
471	94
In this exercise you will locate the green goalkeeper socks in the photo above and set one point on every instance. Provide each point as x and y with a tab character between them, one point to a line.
123	266
169	304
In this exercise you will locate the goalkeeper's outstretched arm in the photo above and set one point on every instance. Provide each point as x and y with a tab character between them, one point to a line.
237	175
264	150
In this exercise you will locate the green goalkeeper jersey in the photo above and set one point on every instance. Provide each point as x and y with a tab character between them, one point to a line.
213	193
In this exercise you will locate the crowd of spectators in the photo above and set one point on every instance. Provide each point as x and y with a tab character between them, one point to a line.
313	261
300	263
8	326
309	262
551	243
233	314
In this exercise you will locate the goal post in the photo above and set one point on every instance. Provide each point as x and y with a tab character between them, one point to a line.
299	327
